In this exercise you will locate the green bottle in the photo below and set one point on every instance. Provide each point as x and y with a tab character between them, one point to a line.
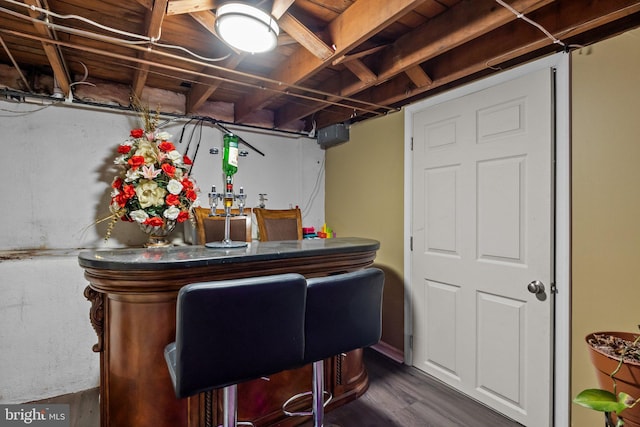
230	154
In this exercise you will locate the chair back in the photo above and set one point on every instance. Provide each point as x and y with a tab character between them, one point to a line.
279	224
232	331
211	228
344	313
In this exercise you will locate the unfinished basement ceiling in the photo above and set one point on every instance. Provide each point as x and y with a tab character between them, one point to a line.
336	60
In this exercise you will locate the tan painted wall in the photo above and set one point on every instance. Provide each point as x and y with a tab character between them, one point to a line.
364	198
605	200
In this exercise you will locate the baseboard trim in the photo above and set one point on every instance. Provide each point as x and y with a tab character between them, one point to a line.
389	351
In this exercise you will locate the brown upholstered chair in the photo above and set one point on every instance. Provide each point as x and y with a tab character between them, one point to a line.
279	224
211	228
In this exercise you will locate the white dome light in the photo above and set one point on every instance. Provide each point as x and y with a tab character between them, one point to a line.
246	27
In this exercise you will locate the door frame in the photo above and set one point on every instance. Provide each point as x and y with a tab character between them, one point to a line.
561	221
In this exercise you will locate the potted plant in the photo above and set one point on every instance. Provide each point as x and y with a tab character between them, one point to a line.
616	357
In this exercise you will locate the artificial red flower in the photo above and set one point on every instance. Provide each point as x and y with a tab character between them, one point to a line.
136	161
154	221
169	169
182	216
172	200
166	146
137	133
121	200
117	183
124	149
129	191
186	183
190	194
187	160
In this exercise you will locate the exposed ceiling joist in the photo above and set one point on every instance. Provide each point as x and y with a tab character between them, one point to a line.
336	60
483	55
471	20
361	71
305	37
199	93
177	7
153	23
436	37
418	76
280	7
53	55
346	32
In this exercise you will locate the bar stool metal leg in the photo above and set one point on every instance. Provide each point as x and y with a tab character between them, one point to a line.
230	399
318	393
319	397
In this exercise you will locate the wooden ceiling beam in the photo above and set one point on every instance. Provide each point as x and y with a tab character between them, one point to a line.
418	76
154	20
200	92
148	4
207	19
305	36
177	7
357	55
280	7
461	23
356	24
51	51
361	71
483	56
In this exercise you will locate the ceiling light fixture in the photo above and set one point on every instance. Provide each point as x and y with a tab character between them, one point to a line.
246	27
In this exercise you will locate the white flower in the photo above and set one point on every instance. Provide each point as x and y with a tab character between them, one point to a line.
174	187
171	213
132	175
139	216
163	136
175	157
120	160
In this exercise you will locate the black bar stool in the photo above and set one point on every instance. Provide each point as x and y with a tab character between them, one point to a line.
232	331
344	313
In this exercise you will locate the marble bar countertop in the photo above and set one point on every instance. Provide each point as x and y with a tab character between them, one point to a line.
197	256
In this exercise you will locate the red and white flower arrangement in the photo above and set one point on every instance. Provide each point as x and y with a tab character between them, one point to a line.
154	188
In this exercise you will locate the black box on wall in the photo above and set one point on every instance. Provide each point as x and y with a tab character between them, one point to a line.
333	135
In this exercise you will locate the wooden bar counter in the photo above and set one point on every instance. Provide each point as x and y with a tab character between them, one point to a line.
133	303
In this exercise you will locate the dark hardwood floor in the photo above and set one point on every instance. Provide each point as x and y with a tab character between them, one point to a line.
402	396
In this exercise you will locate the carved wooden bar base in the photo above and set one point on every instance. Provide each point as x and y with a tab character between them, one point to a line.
133	302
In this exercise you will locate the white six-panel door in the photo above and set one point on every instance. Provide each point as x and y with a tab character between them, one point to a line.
482	232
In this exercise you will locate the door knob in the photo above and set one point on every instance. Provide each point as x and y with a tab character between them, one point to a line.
536	287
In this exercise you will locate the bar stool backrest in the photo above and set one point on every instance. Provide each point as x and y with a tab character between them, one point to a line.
211	228
344	312
232	331
279	224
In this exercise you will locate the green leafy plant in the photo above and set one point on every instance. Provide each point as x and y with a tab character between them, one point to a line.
605	400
